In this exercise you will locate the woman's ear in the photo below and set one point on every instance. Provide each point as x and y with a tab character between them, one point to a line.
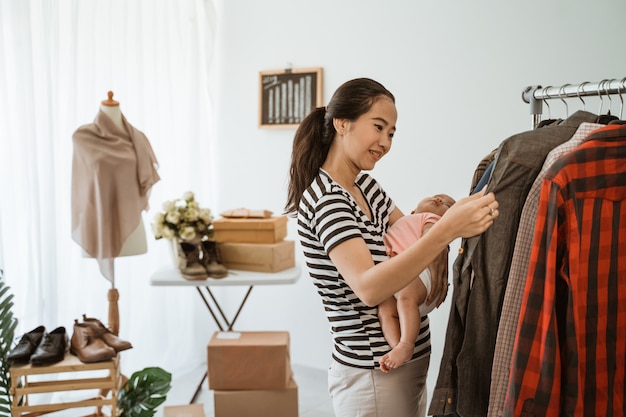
340	125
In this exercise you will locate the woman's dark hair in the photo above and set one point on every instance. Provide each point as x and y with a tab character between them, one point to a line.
316	131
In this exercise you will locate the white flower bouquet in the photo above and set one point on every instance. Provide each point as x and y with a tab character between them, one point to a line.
183	218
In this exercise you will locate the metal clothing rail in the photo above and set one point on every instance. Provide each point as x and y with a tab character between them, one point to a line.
536	95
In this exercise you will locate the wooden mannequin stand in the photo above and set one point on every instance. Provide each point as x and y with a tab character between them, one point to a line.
113	295
136	242
114	313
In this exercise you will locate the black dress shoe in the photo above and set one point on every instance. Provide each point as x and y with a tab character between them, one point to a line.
27	345
52	348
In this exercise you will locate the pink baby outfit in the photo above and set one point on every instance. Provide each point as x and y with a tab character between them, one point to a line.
113	171
402	234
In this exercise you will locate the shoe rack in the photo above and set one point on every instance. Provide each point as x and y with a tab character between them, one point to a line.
28	381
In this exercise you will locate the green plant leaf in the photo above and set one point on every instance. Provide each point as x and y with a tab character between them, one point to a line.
144	391
8	324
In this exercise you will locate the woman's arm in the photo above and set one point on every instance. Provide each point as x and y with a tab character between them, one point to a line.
470	216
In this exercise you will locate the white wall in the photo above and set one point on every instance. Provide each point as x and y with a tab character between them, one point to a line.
457	70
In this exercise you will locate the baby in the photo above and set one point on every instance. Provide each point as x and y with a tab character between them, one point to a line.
400	315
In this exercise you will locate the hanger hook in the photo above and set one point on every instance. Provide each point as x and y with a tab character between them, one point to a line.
543	92
600	86
621	99
561	91
581	88
606	90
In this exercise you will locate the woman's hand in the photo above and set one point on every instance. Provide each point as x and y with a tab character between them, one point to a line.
470	216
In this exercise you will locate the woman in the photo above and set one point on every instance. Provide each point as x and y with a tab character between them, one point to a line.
342	215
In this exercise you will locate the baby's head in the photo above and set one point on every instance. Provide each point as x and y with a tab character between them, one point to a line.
437	204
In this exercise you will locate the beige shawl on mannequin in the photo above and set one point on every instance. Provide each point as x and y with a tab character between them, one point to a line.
112	174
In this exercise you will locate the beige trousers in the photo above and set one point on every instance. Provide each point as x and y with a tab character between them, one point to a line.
359	392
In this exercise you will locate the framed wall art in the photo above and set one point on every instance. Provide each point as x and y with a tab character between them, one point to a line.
287	96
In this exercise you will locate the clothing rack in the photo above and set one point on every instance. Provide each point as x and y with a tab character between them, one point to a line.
536	95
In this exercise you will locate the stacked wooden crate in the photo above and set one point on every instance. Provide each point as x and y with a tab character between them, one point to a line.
254	244
29	382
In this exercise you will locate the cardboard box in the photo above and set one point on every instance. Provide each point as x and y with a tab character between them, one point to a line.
248	360
255	403
190	410
260	257
269	230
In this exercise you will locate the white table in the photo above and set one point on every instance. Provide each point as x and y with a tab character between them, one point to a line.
171	277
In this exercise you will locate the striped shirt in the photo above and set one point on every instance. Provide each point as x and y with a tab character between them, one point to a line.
328	216
569	357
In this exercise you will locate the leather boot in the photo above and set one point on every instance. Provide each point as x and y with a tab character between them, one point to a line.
27	345
212	260
52	348
89	347
191	267
105	334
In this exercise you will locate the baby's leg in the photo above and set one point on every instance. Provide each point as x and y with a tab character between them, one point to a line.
389	321
409	299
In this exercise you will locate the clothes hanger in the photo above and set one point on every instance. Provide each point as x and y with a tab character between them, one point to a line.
581	88
549	120
608	117
561	91
621	106
621	99
546	101
606	91
600	84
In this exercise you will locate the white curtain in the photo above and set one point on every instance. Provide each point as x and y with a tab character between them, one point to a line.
58	61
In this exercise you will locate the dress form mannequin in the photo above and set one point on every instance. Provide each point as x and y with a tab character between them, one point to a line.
113	169
136	244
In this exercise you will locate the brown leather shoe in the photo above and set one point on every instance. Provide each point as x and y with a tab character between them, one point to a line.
190	262
212	260
105	334
89	347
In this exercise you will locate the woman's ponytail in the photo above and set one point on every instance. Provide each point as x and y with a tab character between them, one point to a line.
310	147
